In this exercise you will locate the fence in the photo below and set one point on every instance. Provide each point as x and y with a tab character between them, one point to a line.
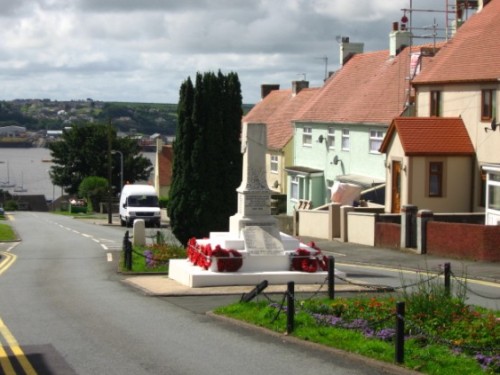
400	330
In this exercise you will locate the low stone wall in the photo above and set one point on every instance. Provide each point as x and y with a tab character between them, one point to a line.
388	235
464	241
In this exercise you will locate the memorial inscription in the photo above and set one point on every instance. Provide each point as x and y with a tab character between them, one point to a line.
262	240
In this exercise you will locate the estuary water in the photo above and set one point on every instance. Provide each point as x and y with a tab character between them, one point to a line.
27	169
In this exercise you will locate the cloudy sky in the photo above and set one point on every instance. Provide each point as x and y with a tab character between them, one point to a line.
142	50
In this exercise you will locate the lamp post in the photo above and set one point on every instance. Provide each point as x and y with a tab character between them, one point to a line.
121	166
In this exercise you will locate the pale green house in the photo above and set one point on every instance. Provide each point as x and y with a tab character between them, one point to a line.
338	134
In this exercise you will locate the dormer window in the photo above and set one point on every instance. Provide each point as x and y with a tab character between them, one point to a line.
487	105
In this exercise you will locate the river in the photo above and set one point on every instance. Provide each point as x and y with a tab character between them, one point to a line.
28	170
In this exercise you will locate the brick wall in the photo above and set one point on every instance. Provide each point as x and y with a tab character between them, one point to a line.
388	235
464	241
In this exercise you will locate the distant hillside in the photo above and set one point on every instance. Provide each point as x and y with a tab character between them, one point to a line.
45	114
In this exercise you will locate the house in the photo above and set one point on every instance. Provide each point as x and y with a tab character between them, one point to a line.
163	168
429	164
339	132
277	109
462	81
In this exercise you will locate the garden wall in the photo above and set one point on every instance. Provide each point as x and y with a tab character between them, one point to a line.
464	241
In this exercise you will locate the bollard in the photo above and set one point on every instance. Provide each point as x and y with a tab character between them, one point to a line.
400	332
158	237
331	277
129	256
447	278
125	249
290	312
247	297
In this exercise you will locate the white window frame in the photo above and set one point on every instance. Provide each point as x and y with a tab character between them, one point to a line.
307	136
294	188
331	138
376	138
274	164
346	140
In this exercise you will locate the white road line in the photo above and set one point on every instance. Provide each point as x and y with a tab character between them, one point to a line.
104	247
110	257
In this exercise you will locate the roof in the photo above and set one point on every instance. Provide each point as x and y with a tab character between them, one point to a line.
370	88
277	111
471	55
430	136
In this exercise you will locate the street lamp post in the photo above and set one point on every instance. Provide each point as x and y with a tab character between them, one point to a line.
121	166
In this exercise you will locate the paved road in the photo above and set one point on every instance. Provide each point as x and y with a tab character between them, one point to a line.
64	311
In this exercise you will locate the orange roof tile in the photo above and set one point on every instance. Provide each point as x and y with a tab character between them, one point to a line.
277	110
370	88
472	54
430	136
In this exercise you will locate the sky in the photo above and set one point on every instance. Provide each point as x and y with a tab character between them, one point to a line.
142	50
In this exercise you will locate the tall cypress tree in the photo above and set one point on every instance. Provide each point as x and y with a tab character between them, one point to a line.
211	157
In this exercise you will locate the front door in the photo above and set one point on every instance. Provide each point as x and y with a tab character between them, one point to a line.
396	187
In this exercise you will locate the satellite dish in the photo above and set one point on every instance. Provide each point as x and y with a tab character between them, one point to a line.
321	138
276	184
336	159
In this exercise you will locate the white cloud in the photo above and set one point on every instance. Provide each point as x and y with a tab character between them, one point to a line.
137	50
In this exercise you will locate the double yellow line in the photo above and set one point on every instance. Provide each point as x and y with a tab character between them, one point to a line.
7	367
7	259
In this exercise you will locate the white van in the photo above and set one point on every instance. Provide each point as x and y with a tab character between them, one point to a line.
139	202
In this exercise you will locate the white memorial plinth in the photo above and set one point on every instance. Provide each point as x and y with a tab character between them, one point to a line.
253	232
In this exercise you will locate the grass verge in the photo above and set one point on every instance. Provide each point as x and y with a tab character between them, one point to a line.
442	336
7	233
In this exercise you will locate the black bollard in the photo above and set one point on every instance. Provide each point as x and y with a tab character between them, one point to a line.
447	279
331	277
290	312
400	332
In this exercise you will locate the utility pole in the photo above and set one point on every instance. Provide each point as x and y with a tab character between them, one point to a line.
110	217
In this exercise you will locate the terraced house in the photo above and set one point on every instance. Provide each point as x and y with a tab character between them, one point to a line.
447	159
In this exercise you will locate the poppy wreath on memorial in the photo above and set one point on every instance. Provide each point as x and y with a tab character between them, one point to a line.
199	255
309	261
227	260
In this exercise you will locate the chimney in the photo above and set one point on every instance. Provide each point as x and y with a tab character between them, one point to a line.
398	40
266	89
297	86
348	50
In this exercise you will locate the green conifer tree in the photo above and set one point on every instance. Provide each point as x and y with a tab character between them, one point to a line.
207	156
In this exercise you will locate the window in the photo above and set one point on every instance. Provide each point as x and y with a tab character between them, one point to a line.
307	136
331	138
435	103
274	164
345	140
294	188
487	105
435	179
376	138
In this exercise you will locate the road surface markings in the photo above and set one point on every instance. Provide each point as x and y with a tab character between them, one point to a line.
8	260
110	257
403	271
16	350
